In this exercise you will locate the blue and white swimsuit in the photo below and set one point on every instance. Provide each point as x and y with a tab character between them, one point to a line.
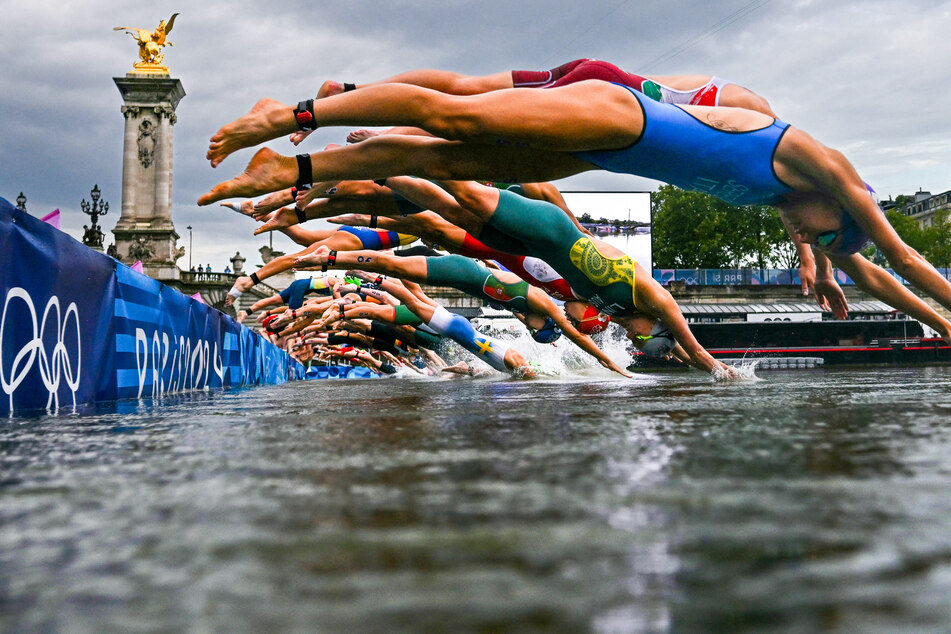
677	148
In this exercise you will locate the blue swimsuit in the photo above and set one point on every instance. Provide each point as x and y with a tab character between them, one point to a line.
677	148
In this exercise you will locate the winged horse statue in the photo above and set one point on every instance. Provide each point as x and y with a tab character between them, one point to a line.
150	42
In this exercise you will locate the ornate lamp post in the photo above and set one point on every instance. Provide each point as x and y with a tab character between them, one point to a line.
189	227
92	237
21	202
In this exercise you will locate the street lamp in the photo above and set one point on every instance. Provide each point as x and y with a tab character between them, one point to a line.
93	233
189	227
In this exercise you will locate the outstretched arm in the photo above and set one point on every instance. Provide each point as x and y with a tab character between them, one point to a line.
877	281
654	300
829	294
816	163
540	302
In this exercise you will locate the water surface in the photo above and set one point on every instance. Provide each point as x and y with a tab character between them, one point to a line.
809	501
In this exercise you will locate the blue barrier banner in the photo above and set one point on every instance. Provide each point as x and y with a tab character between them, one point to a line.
54	334
747	277
77	326
754	277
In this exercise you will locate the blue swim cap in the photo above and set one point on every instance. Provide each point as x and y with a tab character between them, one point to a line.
851	237
547	333
661	342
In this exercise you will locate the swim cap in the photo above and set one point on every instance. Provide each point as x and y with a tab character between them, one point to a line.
851	237
593	321
547	333
268	321
661	342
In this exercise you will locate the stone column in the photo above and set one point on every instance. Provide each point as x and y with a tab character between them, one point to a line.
127	215
162	218
145	230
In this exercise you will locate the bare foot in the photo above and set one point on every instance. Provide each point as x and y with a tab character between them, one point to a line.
329	88
362	135
241	285
274	201
363	275
317	257
280	219
298	137
267	120
246	208
267	172
305	196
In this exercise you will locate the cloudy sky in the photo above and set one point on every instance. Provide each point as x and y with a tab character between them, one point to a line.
870	78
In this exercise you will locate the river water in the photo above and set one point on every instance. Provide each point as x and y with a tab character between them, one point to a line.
806	501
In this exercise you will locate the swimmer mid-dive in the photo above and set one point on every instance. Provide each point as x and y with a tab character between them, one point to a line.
343	239
741	156
501	288
700	90
418	309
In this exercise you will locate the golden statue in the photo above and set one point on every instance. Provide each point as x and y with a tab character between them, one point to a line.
150	45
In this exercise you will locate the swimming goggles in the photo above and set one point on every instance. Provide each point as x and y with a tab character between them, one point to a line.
827	238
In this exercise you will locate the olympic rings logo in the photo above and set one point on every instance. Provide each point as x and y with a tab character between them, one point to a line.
55	366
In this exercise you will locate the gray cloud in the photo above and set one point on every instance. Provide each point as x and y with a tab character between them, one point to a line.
867	78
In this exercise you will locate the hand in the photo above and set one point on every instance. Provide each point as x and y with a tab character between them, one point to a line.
829	296
726	372
807	275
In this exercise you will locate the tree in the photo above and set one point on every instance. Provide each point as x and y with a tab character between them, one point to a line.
696	230
908	229
938	237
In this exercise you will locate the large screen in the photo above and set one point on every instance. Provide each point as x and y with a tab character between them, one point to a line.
621	219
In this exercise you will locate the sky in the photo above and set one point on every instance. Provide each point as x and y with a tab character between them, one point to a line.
868	78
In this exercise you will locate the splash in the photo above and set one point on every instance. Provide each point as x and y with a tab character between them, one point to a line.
744	371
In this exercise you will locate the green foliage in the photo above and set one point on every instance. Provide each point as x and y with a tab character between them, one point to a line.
696	230
933	242
938	250
903	200
909	230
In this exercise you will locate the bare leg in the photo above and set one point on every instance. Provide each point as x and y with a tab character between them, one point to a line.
328	208
441	80
408	268
735	96
387	156
339	241
586	115
583	116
